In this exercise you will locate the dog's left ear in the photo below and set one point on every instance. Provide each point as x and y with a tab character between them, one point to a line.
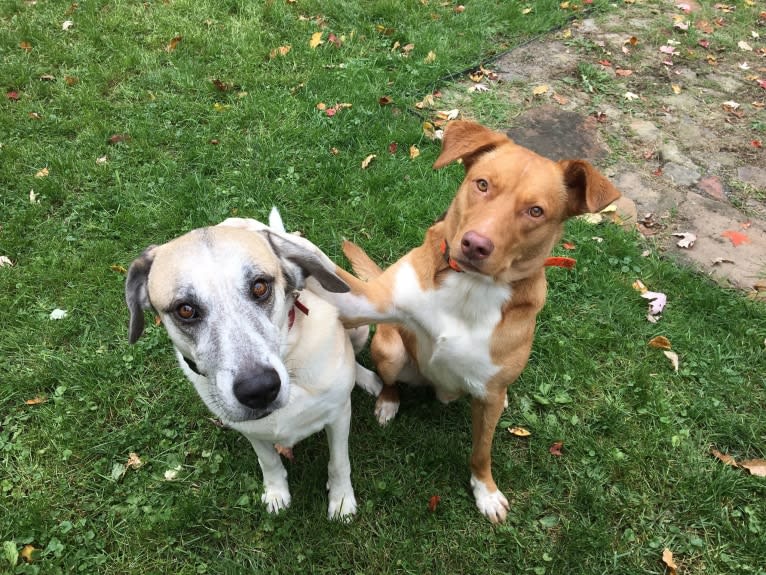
136	294
466	140
587	189
299	262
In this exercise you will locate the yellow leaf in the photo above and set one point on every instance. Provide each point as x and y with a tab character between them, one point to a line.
639	286
134	461
564	5
526	11
756	467
667	559
316	39
426	102
367	161
519	431
660	342
567	33
42	173
321	106
414	152
676	88
173	44
26	553
540	90
118	268
36	400
429	130
431	57
218	107
280	51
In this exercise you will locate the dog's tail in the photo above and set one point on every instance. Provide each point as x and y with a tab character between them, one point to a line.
364	268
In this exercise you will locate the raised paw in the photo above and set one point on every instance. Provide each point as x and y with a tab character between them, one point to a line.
492	504
275	499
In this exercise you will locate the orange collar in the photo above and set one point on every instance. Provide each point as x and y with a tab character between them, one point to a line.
557	262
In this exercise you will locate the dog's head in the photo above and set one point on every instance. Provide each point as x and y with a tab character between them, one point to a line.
224	296
510	209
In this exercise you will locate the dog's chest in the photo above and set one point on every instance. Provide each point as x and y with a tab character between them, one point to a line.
454	326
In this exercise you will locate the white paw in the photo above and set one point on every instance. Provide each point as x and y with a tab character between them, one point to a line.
385	411
342	506
275	499
368	380
359	336
492	504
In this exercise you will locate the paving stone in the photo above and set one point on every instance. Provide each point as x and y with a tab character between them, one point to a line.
679	174
645	130
712	186
752	175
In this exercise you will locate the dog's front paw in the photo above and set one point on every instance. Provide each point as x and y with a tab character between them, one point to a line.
276	499
342	506
385	411
492	504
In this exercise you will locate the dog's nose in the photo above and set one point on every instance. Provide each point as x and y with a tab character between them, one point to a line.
257	389
476	246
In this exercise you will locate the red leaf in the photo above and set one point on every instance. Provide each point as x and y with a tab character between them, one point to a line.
331	112
392	147
762	84
433	502
605	63
704	43
568	246
556	448
737	238
12	95
756	143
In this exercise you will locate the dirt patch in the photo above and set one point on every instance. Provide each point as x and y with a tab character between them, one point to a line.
675	117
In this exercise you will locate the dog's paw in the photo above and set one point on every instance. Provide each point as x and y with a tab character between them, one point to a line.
385	411
492	504
342	506
368	380
275	499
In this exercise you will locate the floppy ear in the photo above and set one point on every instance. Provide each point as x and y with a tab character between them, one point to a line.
136	295
466	140
300	259
587	189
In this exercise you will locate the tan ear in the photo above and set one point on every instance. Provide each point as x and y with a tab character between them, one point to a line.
463	139
587	189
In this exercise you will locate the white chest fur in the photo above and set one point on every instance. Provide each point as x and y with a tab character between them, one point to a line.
454	326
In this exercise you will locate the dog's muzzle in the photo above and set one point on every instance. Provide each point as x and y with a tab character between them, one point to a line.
257	389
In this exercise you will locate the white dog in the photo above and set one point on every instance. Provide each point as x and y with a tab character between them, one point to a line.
274	367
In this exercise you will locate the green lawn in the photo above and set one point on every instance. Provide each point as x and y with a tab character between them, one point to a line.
144	138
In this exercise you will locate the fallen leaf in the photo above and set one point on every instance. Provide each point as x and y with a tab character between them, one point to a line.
726	459
71	80
639	286
673	357
433	502
26	46
33	197
717	261
58	314
118	139
744	46
385	100
519	431
100	161
687	239
118	269
279	51
737	238
704	43
623	72
173	44
667	559
334	40
414	152
367	160
756	467
430	57
630	96
43	173
670	50
316	39
459	9
560	100
35	116
555	448
660	342
26	553
479	88
172	474
448	115
676	88
286	452
36	400
540	90
134	461
67	25
426	102
657	301
5	261
13	95
47	77
392	147
568	246
219	107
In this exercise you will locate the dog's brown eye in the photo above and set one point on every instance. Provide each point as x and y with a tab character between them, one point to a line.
186	311
536	212
482	185
260	289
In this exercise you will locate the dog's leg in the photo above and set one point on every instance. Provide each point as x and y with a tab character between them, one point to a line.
276	493
485	414
390	356
341	493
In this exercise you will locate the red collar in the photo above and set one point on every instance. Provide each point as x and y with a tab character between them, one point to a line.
557	262
291	314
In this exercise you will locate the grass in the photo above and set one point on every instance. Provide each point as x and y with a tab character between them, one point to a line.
635	475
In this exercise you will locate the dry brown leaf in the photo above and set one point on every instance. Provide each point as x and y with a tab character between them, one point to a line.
366	162
42	173
36	400
26	46
660	342
560	100
667	559
173	44
722	457
756	467
279	51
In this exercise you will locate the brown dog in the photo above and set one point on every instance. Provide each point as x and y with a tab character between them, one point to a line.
461	307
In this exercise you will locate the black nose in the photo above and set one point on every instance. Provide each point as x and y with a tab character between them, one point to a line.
475	246
258	388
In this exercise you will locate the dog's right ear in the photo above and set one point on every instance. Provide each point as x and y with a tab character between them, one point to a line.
300	259
466	140
136	294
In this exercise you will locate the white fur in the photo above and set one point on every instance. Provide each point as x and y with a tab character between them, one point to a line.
492	504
